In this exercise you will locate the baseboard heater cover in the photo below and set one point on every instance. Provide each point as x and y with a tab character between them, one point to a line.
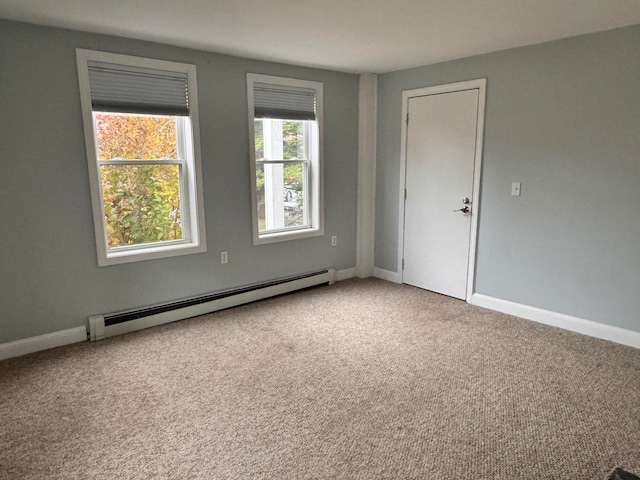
108	325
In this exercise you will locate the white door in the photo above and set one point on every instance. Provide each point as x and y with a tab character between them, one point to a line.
440	161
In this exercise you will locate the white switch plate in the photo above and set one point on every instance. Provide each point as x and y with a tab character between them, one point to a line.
224	257
515	189
334	241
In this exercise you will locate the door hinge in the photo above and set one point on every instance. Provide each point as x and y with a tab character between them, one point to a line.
403	263
405	193
407	119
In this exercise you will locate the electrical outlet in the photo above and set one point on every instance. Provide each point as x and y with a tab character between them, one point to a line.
334	241
515	189
224	257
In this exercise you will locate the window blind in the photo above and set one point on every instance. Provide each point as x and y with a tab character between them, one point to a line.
284	102
129	89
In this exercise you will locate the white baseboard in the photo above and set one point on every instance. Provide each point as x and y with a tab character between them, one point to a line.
42	342
567	322
345	274
386	275
79	334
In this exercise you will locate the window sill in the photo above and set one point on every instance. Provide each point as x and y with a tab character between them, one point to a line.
266	238
149	253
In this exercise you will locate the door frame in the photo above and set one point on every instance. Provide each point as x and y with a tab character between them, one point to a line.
480	85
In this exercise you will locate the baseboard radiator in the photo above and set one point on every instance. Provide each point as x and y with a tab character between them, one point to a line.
108	325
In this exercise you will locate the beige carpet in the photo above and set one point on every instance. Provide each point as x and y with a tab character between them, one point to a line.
360	380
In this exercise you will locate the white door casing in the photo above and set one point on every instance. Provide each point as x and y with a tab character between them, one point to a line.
441	164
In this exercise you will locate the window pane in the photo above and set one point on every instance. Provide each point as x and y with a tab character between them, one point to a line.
141	203
135	137
258	128
293	140
262	224
280	196
280	139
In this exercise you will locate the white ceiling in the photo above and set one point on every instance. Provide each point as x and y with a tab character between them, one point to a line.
346	35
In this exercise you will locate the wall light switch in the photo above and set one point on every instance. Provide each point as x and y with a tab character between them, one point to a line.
224	257
515	189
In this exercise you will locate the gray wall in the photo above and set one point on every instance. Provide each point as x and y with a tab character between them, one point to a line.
563	118
49	276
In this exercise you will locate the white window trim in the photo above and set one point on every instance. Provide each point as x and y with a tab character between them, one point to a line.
195	241
316	193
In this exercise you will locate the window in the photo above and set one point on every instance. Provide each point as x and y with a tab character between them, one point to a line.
141	129
285	125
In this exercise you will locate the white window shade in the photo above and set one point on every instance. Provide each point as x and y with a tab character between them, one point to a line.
131	89
284	102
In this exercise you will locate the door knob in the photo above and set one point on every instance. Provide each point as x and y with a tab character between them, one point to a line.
466	201
464	209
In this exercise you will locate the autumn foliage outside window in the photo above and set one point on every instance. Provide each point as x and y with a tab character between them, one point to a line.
140	167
